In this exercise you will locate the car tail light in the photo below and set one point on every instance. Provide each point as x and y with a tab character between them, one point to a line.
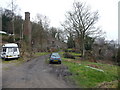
58	58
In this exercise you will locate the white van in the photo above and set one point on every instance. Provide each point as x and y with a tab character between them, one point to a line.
10	50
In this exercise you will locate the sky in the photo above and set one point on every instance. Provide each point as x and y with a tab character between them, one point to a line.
55	10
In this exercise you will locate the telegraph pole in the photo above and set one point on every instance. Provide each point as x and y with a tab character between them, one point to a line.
118	54
13	21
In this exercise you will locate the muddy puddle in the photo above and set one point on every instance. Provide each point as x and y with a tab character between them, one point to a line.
62	72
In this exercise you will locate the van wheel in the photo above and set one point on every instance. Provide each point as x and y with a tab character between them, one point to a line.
5	59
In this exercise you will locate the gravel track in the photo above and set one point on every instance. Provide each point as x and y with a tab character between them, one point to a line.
35	73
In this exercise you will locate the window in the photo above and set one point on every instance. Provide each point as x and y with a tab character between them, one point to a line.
10	49
15	49
4	49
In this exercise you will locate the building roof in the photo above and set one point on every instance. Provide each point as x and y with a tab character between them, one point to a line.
2	32
10	45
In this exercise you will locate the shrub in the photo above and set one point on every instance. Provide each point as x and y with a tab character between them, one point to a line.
66	50
67	55
118	56
77	50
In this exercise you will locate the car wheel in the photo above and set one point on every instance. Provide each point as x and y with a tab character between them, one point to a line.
59	62
49	62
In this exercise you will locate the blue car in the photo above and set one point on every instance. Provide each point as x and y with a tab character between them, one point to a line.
55	58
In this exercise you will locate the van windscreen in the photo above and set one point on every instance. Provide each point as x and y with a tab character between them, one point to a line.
9	49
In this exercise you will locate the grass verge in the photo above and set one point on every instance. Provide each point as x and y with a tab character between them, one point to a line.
86	77
20	60
41	53
75	54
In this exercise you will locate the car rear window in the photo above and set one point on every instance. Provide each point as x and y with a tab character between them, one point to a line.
55	55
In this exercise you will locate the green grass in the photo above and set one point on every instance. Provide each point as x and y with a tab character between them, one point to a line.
41	53
87	77
69	49
19	61
75	54
72	53
61	53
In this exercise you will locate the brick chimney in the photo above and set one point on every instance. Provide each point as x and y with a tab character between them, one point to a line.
27	28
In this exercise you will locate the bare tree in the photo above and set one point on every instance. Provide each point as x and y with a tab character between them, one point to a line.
60	35
82	22
40	31
44	19
53	32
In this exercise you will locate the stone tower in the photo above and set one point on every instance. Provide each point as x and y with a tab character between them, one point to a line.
27	30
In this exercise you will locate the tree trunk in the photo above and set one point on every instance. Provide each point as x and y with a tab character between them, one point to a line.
83	50
83	46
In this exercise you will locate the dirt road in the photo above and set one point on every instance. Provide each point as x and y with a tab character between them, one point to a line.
35	73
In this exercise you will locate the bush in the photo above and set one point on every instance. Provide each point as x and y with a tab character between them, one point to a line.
66	50
70	50
118	56
67	55
77	50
